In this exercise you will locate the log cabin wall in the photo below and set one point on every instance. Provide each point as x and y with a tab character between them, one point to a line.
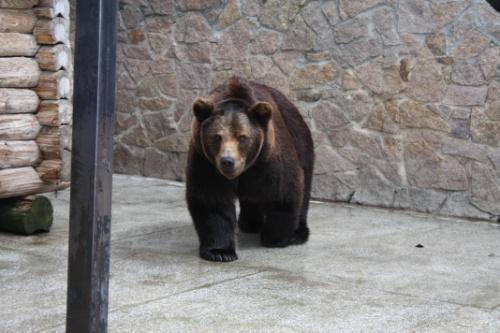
35	96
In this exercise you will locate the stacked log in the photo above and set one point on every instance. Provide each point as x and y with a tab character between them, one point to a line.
35	97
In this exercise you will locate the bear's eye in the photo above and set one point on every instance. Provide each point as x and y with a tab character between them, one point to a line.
242	139
217	138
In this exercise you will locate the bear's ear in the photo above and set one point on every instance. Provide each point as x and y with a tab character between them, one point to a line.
202	108
262	112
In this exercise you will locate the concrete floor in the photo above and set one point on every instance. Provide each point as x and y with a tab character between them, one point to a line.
360	272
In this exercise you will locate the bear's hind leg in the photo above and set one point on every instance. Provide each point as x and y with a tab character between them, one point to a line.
302	232
282	219
251	217
215	228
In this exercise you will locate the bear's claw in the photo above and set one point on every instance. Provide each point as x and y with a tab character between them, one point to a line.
221	255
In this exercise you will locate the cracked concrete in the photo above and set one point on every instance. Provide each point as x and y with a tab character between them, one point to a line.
360	272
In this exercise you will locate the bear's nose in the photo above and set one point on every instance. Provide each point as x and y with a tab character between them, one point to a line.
227	163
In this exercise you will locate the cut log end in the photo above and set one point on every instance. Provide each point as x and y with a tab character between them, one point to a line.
53	8
26	216
54	85
50	171
53	58
52	31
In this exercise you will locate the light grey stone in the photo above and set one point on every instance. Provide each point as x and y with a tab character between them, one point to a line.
384	118
386	25
232	44
128	159
466	73
426	168
358	51
329	161
382	80
266	42
459	204
414	16
187	5
473	43
350	30
131	16
483	129
426	82
334	186
192	28
494	157
158	125
330	10
169	165
416	115
355	104
135	136
348	8
419	199
485	188
229	14
193	76
465	149
314	18
329	116
299	37
313	75
468	96
162	7
274	14
373	189
489	61
493	110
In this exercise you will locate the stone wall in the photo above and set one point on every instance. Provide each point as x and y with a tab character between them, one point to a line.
403	97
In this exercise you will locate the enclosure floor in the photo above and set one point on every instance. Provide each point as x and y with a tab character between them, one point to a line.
360	272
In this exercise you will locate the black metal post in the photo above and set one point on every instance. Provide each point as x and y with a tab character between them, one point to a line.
91	171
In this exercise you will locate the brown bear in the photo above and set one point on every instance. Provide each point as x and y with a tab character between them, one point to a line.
250	143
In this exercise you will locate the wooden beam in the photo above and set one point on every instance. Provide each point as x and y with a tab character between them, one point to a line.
17	182
19	127
15	154
18	101
13	20
13	44
18	72
18	4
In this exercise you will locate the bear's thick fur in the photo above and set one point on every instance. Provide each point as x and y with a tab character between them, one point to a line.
250	143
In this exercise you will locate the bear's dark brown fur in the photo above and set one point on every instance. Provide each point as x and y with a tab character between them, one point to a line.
249	143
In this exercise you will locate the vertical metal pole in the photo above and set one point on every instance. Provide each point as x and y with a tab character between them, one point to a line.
91	171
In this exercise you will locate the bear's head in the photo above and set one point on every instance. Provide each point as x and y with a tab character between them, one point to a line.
231	128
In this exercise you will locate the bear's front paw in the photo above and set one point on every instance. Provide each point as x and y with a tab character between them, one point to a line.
221	255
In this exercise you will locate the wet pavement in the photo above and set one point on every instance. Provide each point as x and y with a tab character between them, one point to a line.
361	271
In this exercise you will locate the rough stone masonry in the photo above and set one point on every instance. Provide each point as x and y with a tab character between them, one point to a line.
402	96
